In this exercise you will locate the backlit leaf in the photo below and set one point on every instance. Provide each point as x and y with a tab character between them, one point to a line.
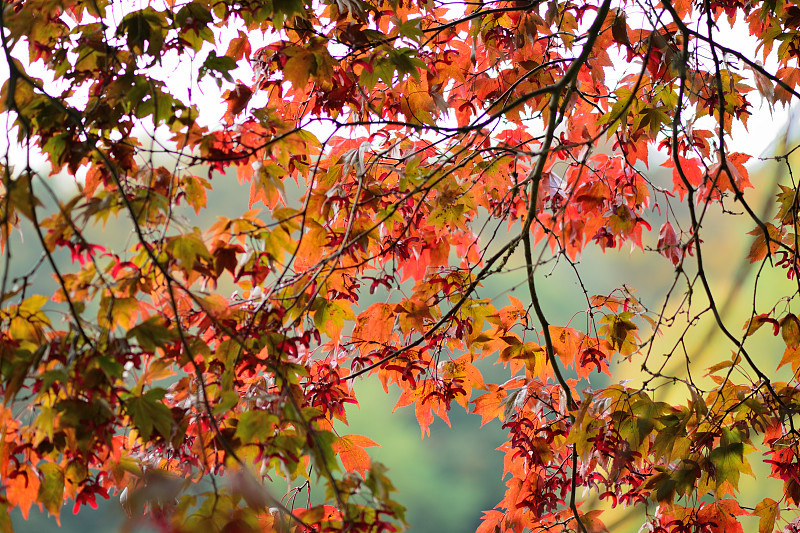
768	511
51	489
350	449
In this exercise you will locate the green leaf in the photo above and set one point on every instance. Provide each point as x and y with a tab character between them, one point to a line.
405	63
330	317
20	197
186	249
728	459
321	452
663	487
218	67
635	428
149	414
671	440
284	9
685	477
51	488
158	104
152	334
411	29
194	19
144	31
255	426
5	520
227	402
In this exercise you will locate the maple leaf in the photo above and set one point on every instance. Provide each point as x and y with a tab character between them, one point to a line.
239	47
506	317
764	85
732	175
687	169
729	462
237	101
150	415
591	522
330	317
567	343
466	374
791	356
759	249
22	489
721	516
350	449
490	405
620	332
768	512
619	29
790	330
423	405
753	324
299	66
375	325
668	243
51	489
412	315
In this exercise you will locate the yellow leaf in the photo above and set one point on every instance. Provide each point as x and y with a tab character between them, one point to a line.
767	511
298	68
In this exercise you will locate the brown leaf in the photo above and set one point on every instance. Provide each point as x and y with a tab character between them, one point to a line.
239	47
619	29
237	100
763	84
758	250
753	324
790	330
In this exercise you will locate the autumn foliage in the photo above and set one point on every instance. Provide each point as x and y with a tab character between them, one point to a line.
398	155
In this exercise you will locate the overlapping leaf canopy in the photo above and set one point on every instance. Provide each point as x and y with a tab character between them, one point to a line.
398	156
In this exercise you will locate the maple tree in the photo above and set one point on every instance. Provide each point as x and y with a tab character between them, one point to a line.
398	155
